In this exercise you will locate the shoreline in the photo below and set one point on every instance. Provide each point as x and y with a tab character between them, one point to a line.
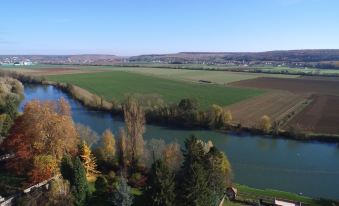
232	128
95	102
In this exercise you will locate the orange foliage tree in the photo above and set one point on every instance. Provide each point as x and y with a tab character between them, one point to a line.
45	129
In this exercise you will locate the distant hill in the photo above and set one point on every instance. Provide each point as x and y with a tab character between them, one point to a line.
223	57
323	58
93	59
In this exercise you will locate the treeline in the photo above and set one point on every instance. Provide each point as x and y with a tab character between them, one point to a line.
11	93
122	170
185	113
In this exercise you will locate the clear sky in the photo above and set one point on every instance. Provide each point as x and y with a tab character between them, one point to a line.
132	27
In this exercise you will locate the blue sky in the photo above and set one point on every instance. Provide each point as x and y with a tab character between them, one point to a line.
132	27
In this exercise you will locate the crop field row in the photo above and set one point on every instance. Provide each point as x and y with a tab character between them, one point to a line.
217	77
321	116
117	84
298	86
274	104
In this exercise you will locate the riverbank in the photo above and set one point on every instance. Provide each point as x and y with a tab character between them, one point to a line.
259	161
98	103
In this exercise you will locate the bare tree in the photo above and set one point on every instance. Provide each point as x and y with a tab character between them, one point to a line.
135	126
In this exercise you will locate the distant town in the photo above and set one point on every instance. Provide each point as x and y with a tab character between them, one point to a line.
15	61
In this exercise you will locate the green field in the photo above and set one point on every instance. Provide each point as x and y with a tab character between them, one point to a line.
255	194
117	84
218	77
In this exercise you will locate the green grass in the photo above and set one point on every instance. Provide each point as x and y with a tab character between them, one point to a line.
218	77
116	84
253	192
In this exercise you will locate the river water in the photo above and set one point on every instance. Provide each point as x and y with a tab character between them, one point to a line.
310	168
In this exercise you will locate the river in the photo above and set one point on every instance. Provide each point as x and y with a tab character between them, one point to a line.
310	168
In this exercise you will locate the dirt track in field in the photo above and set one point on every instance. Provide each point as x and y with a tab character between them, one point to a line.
321	116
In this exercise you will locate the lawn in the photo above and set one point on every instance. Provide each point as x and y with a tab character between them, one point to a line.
253	193
117	84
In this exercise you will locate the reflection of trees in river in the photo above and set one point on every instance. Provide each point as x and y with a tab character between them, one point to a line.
267	144
293	145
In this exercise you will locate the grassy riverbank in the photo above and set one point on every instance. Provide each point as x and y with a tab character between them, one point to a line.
249	194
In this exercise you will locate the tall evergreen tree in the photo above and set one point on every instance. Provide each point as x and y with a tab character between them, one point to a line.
122	196
66	169
195	190
193	177
80	185
160	185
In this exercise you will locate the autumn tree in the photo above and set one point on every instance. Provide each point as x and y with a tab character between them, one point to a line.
122	150
108	145
173	156
170	154
86	134
154	150
88	160
59	193
44	128
219	117
44	167
6	123
219	173
135	126
265	123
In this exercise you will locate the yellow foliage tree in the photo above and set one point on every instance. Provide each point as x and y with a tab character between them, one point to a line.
88	160
265	123
219	117
108	144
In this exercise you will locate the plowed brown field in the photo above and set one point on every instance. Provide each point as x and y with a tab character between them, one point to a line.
321	116
300	86
275	104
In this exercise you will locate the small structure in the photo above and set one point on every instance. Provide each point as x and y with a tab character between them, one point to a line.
278	202
231	193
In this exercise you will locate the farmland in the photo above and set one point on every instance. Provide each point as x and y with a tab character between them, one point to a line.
299	86
116	84
217	77
285	95
321	116
277	105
